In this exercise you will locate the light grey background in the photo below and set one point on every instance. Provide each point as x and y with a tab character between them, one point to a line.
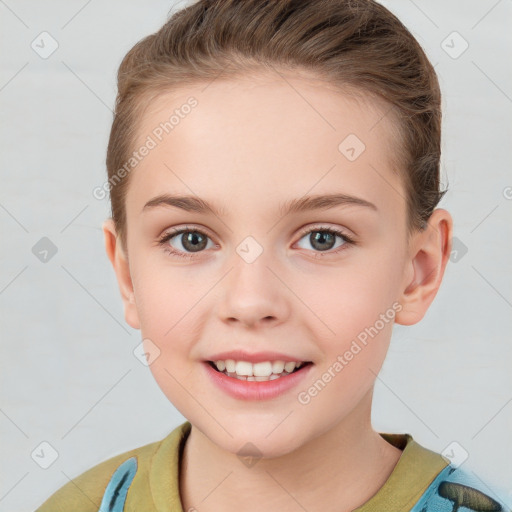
68	373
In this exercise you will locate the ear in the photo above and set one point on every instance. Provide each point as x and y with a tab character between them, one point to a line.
119	261
429	253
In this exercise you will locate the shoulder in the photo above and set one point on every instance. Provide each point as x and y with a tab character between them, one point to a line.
434	483
85	492
455	487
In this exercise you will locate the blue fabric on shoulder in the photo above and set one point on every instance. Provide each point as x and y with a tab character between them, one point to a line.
455	489
114	497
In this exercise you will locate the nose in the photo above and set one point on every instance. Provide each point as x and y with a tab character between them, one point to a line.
253	294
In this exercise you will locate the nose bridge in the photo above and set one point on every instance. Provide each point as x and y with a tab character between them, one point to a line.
251	291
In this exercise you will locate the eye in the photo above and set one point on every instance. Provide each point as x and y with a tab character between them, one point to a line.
323	239
187	241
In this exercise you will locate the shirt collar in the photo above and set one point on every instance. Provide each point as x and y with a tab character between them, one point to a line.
416	468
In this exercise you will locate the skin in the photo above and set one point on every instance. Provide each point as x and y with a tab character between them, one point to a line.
251	144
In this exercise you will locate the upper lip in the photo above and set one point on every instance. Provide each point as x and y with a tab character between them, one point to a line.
254	357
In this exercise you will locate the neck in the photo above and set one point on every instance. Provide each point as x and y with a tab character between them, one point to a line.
337	471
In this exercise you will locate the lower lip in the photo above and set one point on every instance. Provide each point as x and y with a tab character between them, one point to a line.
254	390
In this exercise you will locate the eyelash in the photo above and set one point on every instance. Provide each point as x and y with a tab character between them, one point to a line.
175	232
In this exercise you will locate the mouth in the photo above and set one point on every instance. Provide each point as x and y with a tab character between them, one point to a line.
258	372
263	380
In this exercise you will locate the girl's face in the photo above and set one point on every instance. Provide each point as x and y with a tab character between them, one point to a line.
312	283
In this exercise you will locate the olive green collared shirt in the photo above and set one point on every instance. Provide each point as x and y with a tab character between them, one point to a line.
155	485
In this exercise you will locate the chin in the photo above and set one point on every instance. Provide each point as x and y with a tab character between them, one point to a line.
253	439
253	448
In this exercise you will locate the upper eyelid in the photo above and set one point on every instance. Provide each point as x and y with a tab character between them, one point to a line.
324	227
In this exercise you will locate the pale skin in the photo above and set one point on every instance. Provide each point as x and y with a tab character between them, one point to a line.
250	145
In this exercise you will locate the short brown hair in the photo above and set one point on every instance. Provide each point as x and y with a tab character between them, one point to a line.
356	45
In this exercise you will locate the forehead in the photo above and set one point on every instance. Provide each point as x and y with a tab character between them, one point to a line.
255	135
289	96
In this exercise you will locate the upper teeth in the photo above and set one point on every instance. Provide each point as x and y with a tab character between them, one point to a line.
263	369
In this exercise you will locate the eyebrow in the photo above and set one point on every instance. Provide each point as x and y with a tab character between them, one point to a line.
303	204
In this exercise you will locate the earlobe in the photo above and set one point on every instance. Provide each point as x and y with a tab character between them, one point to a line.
430	251
121	267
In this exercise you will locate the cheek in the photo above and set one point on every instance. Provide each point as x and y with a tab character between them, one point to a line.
165	299
351	297
168	318
353	322
359	313
170	304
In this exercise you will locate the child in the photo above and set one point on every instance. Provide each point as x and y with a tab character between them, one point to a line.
274	176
